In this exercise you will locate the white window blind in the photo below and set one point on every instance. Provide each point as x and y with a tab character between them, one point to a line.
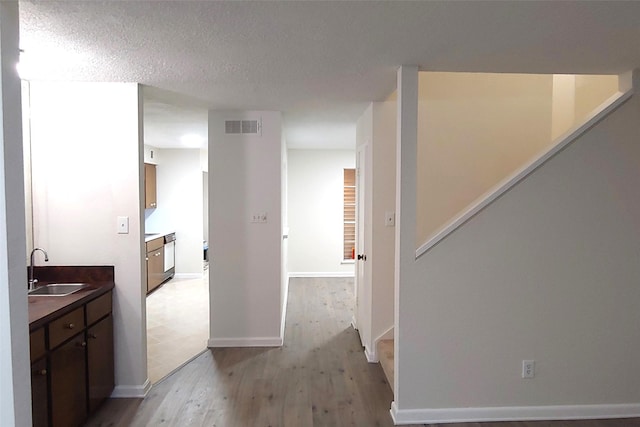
349	218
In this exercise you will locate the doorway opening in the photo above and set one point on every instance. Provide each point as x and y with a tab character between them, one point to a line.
177	310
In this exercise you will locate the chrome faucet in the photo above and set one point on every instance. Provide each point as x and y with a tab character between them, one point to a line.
32	281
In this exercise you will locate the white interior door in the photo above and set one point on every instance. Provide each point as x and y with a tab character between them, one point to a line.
361	244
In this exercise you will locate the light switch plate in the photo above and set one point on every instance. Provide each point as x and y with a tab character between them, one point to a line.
259	218
123	225
389	219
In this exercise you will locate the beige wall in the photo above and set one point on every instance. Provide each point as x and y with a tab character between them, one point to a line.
592	91
575	97
474	130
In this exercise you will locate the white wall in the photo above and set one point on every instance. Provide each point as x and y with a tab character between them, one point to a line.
376	129
475	130
548	272
364	231
245	270
15	398
180	207
87	170
205	206
382	247
315	209
284	255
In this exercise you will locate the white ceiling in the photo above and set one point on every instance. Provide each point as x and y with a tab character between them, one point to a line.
318	62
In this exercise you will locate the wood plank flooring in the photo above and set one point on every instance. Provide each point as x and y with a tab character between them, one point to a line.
320	377
385	354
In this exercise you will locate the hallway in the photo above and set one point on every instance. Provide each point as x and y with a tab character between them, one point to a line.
320	376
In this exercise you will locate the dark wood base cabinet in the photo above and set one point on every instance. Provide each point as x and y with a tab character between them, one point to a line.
68	383
74	372
100	354
39	393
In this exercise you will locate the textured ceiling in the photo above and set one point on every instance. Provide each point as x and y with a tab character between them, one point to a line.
319	62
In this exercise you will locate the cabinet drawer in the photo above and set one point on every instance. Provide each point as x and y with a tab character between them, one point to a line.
66	327
98	308
155	244
36	343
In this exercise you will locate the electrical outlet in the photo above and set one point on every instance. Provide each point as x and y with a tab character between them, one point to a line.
528	368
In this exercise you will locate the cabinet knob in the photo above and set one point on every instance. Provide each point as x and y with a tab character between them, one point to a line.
158	254
83	344
71	326
42	372
93	336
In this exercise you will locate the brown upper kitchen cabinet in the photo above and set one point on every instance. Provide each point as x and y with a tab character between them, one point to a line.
150	195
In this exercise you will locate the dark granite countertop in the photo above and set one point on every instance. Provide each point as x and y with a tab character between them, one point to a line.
43	309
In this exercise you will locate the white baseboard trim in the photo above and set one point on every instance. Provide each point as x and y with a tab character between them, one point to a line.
372	356
354	324
188	276
131	391
323	274
245	342
512	413
387	335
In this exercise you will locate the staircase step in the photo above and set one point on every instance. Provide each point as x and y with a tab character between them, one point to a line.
385	354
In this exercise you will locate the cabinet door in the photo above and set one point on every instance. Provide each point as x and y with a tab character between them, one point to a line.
37	345
69	383
155	269
100	362
39	395
150	186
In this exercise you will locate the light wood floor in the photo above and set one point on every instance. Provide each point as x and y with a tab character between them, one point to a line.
320	377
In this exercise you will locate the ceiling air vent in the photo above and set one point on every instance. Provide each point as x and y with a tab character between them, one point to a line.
242	127
232	126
